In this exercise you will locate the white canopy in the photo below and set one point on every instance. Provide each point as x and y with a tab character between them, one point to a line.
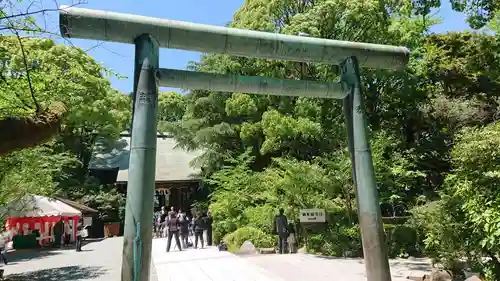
41	206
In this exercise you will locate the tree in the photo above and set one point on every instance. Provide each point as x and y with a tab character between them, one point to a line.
463	223
171	108
42	121
414	119
30	171
59	75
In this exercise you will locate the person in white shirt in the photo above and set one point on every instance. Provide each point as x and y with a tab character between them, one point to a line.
67	233
3	247
79	235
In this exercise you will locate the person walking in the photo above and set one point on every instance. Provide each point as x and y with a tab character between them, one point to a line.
173	226
79	236
67	233
3	247
58	231
208	224
198	228
181	213
281	227
184	229
164	216
172	211
155	218
291	239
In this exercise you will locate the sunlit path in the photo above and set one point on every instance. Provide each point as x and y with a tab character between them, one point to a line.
204	265
100	260
303	267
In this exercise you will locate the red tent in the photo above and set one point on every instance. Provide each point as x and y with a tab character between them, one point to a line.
42	213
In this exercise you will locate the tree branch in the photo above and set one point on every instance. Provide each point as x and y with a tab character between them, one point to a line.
42	11
4	79
32	91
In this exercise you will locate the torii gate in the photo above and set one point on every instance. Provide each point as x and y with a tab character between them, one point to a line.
148	34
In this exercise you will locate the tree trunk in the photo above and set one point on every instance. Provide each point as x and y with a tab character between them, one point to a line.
30	131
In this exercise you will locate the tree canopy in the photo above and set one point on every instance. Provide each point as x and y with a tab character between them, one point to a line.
267	152
60	78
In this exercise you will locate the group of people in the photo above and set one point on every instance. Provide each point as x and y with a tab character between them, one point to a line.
179	226
62	234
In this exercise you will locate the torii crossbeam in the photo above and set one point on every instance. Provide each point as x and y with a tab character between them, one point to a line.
149	34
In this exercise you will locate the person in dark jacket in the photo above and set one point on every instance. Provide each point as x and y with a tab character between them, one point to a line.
58	233
184	229
198	228
173	226
208	225
281	228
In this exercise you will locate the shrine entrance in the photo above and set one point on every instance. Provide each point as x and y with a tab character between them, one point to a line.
149	34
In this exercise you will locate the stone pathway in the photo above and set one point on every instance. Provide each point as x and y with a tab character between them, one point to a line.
204	265
302	267
212	265
99	261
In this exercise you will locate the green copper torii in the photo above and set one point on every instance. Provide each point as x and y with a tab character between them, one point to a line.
148	34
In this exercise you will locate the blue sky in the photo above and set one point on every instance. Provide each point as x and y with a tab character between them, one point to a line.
120	57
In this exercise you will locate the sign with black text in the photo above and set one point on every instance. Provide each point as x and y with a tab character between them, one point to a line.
312	215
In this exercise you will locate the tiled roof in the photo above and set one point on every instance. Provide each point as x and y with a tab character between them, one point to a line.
172	163
80	207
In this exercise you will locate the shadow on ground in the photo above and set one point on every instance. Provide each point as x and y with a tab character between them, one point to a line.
29	254
65	273
93	240
422	266
25	255
358	260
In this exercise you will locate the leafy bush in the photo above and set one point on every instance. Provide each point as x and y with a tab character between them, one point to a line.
259	238
242	197
402	241
344	241
339	241
260	217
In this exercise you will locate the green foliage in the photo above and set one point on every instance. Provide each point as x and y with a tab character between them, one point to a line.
57	73
464	223
171	108
258	238
338	240
403	241
243	198
267	152
433	127
108	201
31	171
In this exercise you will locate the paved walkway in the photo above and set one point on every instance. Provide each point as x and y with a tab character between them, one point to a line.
99	261
302	267
212	265
204	265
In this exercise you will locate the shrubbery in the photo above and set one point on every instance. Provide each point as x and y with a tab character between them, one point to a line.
402	241
245	203
259	238
339	241
345	241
